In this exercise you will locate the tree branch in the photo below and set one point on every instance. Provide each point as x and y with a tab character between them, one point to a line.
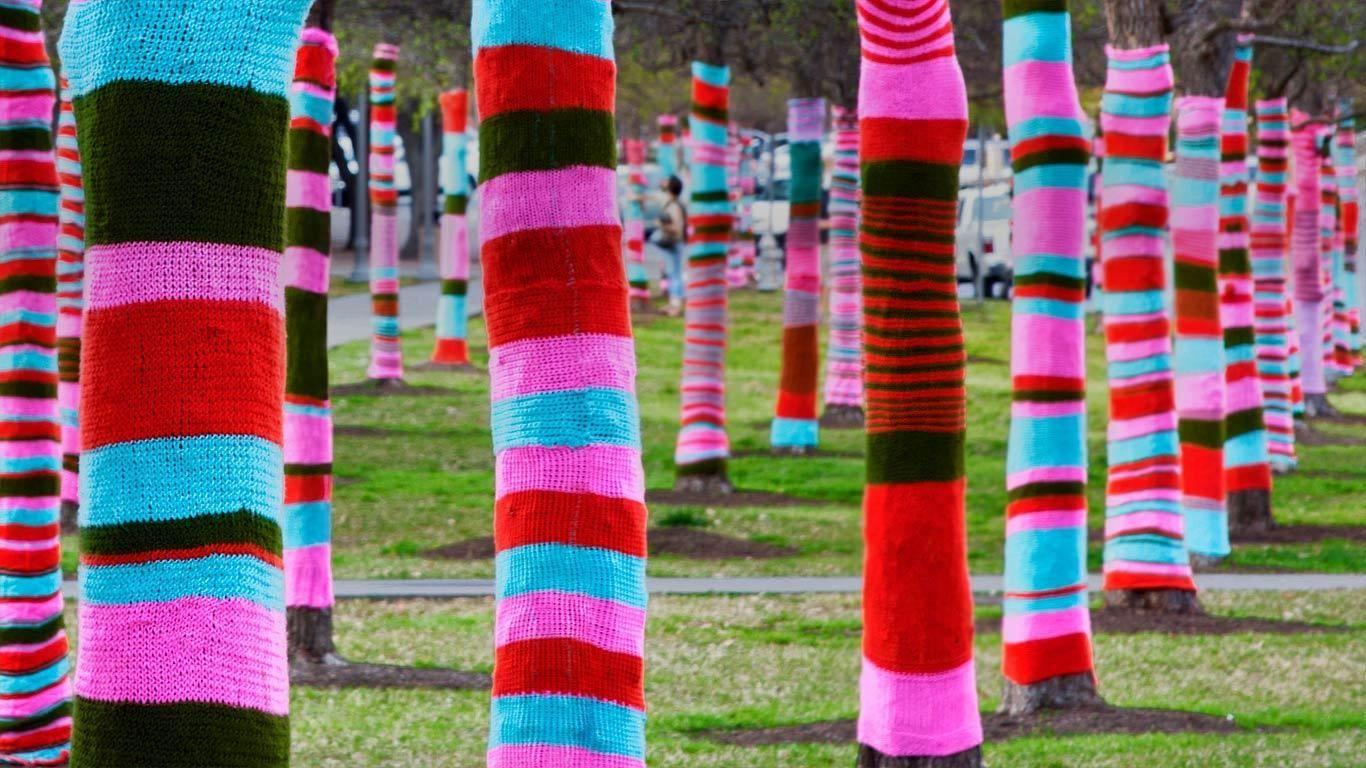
1308	45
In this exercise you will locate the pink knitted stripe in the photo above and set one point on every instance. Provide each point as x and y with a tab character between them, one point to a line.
1062	358
455	247
603	470
906	714
32	612
28	406
20	235
1057	99
308	576
1171	522
1138	81
704	441
1136	54
1153	569
937	92
31	704
605	624
305	268
1133	193
1123	429
32	301
1023	627
308	439
1137	126
562	199
1043	409
131	273
1139	350
25	504
515	756
24	155
191	649
560	363
306	189
1046	474
25	108
1047	520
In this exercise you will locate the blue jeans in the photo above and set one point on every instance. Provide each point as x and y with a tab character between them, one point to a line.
672	255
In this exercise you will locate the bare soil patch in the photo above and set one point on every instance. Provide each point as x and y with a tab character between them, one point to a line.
386	676
397	388
1302	534
430	367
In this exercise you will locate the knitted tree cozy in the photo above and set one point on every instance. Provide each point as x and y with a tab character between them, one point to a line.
452	323
35	693
182	614
1328	248
917	692
1247	468
569	516
1292	332
70	303
1046	629
795	428
1349	197
633	223
1271	324
844	358
666	151
1307	286
702	448
1199	335
1145	554
308	409
386	345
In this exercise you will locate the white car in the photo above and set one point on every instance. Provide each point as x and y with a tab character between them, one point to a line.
994	259
997	162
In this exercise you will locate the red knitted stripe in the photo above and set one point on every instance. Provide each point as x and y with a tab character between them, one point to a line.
52	736
1205	478
28	173
514	80
1126	145
31	561
24	661
307	488
30	430
710	96
203	368
1037	660
315	64
1049	503
16	532
1149	329
884	138
565	666
1254	477
25	333
1168	480
581	519
1115	217
1028	147
1125	580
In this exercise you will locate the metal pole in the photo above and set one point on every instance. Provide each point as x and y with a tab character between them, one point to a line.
426	264
360	270
981	276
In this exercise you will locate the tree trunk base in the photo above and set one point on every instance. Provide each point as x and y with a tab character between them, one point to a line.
1249	512
70	517
387	383
1061	692
1205	562
1317	405
842	417
1160	600
704	484
310	636
793	450
871	758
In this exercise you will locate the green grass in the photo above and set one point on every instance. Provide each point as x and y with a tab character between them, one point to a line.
339	287
746	662
427	479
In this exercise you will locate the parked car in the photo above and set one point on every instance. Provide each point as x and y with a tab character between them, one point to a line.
997	162
994	262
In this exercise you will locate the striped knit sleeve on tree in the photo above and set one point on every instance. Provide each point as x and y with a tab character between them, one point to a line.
386	345
1350	199
633	222
735	257
1199	335
1271	323
702	448
35	722
1292	334
795	427
308	408
1307	285
569	517
1247	471
844	358
666	150
918	692
1344	281
1144	531
1046	629
452	323
70	302
182	615
1328	221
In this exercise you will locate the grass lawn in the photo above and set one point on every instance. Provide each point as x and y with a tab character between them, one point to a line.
416	472
745	662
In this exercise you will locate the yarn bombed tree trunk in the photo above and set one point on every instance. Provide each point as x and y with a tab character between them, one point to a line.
1307	286
569	515
1146	564
1328	221
637	278
35	719
666	150
917	691
1199	334
795	429
702	448
1268	249
1344	282
735	257
1046	631
1350	198
308	407
386	345
452	323
1247	468
843	358
182	597
70	304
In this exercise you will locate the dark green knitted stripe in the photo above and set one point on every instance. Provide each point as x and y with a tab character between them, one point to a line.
1239	336
38	720
148	147
27	389
1208	434
703	259
456	204
1234	261
71	462
454	287
20	19
704	467
384	65
913	457
21	635
309	151
306	334
1035	490
35	283
45	484
1059	156
805	186
712	229
910	333
1045	396
711	197
911	351
26	138
1195	278
910	314
308	469
908	257
182	735
900	274
915	234
309	228
910	179
545	141
241	527
383	296
1012	8
893	293
1243	422
1051	278
711	114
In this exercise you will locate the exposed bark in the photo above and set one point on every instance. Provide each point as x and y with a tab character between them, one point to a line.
1162	600
1061	692
842	417
1249	512
871	758
310	636
710	484
321	15
1135	23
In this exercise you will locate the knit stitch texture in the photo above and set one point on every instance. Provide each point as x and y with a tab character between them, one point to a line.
1305	261
452	323
1349	198
386	344
844	359
70	301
